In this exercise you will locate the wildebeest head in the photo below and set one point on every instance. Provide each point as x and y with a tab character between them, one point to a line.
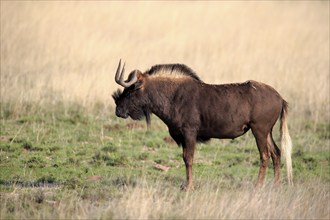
133	100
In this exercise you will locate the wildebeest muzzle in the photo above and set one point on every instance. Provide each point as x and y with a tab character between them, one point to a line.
121	113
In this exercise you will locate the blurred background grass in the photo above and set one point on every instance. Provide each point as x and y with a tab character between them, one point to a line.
67	52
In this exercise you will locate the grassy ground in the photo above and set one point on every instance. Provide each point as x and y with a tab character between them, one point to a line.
68	163
64	155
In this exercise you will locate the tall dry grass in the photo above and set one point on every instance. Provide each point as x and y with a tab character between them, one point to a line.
68	51
244	203
157	201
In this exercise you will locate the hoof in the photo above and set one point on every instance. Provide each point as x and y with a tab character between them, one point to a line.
186	187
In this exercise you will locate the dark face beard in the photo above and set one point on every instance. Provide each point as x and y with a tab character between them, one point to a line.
147	114
139	114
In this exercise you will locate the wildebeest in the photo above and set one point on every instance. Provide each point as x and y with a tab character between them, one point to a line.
195	112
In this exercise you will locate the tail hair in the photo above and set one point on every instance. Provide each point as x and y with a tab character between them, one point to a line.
286	143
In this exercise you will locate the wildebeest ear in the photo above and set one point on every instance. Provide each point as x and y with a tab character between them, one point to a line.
140	80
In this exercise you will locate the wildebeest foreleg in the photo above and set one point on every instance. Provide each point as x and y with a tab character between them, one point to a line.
188	157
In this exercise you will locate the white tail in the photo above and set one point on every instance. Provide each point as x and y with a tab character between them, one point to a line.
286	143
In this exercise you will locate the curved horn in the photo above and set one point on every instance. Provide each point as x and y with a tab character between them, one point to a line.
119	77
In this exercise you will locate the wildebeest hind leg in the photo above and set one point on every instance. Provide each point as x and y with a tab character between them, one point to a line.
276	157
261	140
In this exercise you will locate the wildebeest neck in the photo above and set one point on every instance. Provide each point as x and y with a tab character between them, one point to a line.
161	93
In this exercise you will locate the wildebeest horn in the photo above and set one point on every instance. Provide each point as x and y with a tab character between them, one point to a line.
119	77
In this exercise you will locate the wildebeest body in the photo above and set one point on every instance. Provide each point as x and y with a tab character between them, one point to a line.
195	111
216	111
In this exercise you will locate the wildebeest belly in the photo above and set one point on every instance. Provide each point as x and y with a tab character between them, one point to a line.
224	115
224	125
223	131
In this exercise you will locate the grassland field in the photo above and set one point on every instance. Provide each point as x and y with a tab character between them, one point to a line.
64	154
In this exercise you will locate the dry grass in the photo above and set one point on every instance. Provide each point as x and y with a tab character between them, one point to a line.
157	201
68	51
146	203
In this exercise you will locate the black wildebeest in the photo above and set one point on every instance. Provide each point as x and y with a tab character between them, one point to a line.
195	111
